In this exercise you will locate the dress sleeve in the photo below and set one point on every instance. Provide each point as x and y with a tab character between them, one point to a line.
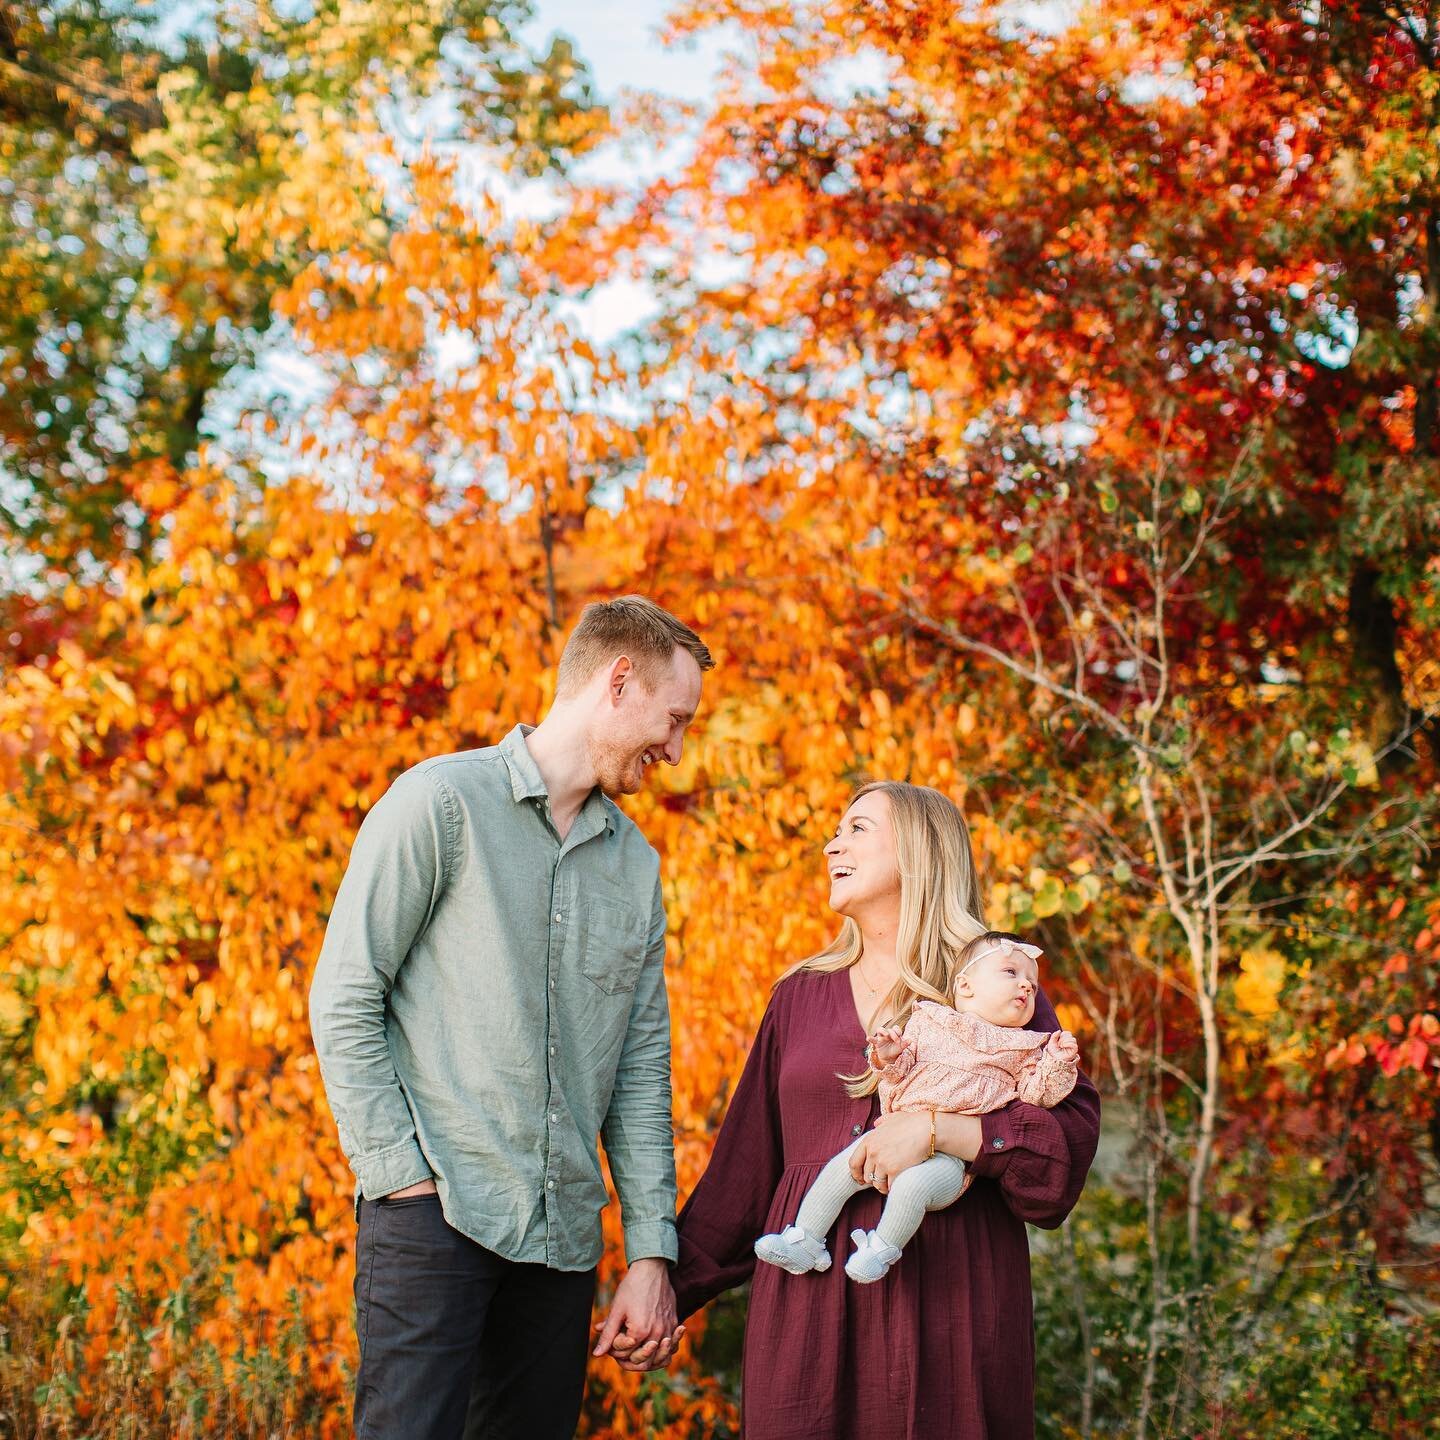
1040	1157
726	1211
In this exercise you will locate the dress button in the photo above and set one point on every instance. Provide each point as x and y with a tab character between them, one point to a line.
998	1143
857	1129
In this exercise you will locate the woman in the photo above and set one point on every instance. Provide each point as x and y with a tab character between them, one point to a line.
944	1345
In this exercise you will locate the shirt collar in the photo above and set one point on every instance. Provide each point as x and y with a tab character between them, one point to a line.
526	782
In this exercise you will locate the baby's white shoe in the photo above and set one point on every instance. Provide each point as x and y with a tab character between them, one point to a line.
795	1250
872	1259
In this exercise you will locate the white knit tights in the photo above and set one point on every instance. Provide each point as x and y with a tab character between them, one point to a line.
930	1185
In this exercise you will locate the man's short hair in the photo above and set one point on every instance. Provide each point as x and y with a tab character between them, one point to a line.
632	626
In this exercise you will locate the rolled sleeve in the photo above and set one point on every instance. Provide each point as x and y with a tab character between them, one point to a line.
386	1171
638	1132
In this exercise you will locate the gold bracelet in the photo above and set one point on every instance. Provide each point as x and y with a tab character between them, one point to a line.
931	1155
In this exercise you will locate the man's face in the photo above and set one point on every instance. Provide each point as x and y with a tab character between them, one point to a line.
640	727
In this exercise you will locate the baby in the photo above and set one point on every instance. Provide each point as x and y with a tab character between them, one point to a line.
970	1059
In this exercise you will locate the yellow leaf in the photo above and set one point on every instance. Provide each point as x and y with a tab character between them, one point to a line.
1262	973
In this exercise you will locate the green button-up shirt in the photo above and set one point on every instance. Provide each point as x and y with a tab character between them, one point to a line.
489	999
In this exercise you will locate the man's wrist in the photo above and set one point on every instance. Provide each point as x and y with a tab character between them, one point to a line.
420	1187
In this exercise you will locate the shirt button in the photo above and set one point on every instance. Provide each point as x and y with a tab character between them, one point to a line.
553	1050
857	1129
549	1184
998	1143
552	984
558	917
554	1118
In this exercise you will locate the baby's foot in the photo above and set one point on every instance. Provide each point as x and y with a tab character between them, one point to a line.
795	1250
872	1259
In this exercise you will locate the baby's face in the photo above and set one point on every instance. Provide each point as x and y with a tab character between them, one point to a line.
1000	988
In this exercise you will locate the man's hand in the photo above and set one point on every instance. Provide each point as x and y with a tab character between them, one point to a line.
640	1332
420	1187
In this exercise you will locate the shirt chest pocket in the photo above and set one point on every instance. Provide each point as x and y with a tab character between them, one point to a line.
614	945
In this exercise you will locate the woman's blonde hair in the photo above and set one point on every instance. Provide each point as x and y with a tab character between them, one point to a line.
940	904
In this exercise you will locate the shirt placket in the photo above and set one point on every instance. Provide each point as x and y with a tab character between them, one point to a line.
561	918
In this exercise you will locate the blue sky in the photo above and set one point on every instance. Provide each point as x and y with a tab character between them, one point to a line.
617	40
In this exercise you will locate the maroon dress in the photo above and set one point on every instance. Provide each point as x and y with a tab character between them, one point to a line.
943	1347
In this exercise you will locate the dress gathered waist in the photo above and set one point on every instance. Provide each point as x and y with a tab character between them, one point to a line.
817	1164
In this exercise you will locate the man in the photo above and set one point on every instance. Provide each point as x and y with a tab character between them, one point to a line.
489	996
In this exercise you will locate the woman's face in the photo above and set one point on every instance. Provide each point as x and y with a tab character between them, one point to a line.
864	874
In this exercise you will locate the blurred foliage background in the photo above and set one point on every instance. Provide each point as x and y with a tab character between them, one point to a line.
1036	401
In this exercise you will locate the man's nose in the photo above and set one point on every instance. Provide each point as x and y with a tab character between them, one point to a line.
673	749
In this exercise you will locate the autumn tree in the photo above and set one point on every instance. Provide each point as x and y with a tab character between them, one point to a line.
1023	416
1078	369
165	175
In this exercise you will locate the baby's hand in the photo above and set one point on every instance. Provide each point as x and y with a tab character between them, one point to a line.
886	1044
1064	1044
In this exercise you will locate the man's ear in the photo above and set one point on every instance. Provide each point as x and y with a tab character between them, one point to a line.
622	672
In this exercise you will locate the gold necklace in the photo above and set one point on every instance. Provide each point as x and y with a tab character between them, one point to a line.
859	970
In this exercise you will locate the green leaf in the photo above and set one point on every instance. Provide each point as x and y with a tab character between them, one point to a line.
1049	899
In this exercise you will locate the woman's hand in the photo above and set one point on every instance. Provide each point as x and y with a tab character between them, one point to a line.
897	1142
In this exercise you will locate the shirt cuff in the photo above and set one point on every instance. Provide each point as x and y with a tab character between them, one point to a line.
651	1240
386	1171
999	1136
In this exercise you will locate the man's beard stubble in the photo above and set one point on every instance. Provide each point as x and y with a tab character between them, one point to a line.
615	765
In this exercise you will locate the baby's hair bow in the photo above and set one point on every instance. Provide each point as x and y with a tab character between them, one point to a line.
1030	952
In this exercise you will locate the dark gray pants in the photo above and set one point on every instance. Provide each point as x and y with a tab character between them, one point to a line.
457	1343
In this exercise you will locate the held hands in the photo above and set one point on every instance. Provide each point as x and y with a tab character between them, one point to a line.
640	1332
1063	1045
886	1046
